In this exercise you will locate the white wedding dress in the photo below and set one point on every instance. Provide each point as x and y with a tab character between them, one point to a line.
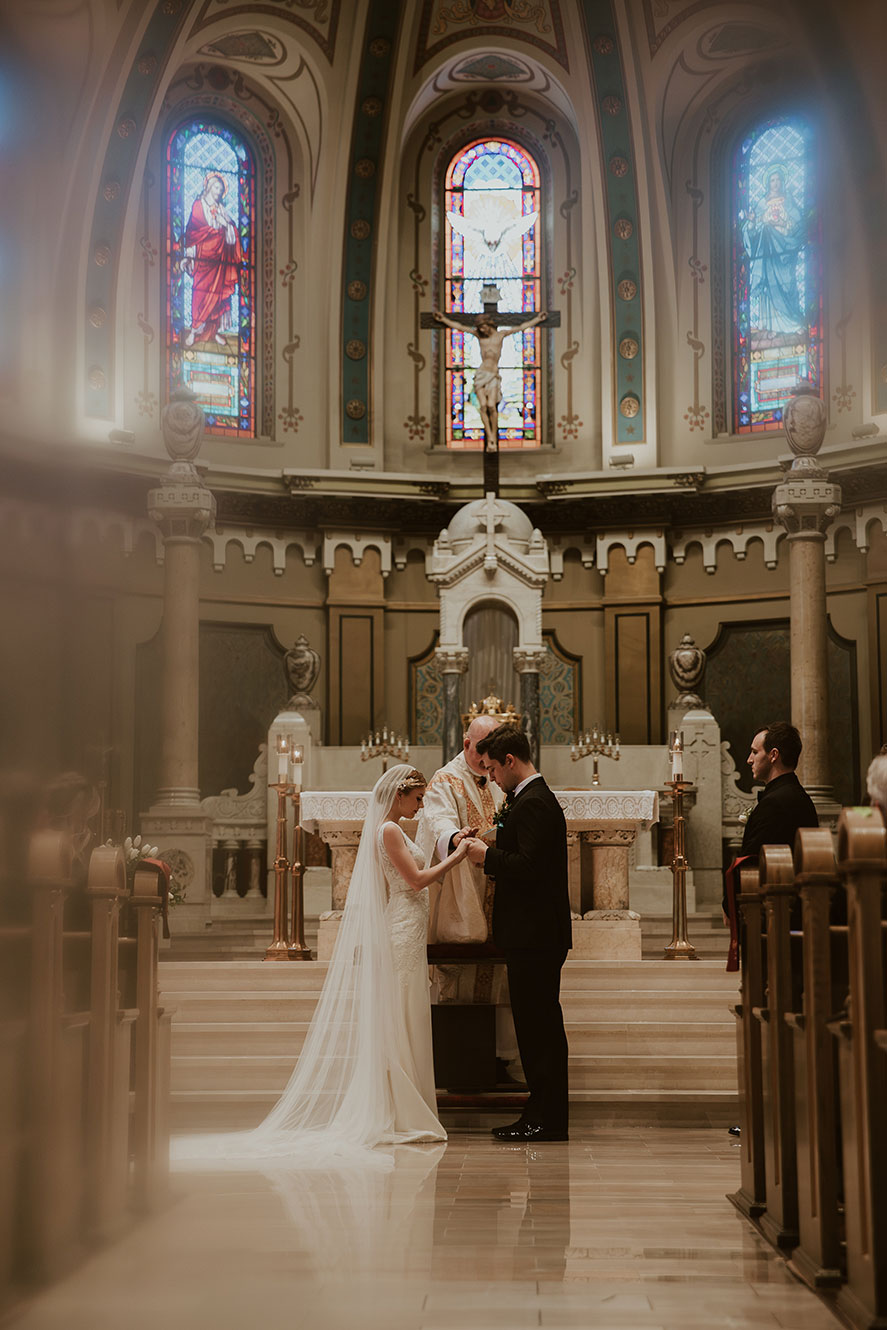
365	1075
407	918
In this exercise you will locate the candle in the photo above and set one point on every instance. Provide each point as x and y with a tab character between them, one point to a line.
677	756
296	759
282	757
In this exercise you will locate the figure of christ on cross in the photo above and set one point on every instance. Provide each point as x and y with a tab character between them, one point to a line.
487	383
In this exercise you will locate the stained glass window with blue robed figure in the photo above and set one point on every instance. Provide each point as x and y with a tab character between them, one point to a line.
211	323
492	236
777	273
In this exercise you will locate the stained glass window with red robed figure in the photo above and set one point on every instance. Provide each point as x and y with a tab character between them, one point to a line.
492	235
777	272
210	248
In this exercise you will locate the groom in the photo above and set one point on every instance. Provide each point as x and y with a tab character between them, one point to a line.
531	925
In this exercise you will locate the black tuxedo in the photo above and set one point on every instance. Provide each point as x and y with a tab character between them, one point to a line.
531	925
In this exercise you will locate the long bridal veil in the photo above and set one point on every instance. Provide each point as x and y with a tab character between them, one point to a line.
340	1099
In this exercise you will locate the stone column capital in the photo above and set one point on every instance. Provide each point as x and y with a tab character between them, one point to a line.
806	504
452	660
183	510
529	660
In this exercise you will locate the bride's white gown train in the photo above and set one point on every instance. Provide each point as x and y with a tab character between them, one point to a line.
365	1075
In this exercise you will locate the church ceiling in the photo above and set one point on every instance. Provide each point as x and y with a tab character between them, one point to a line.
257	48
535	22
318	18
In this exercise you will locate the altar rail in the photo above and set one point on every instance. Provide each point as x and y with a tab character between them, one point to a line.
812	1047
84	1057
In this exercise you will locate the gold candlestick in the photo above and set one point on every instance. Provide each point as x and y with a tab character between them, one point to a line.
595	745
384	745
680	948
278	950
297	950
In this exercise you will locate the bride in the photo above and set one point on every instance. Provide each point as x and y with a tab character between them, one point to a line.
365	1075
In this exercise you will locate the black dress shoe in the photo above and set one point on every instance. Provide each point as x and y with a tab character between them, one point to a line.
504	1076
528	1131
734	1131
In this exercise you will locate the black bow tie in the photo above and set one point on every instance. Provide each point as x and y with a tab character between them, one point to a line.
480	781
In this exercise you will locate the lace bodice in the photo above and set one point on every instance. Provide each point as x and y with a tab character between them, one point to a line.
406	913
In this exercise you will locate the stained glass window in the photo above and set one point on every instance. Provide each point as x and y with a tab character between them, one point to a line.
492	236
777	272
211	304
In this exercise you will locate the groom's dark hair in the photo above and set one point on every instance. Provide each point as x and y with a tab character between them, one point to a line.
506	739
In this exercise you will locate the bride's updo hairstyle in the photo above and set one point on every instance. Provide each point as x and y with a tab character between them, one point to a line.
413	780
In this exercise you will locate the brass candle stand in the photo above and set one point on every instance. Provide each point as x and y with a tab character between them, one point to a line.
297	950
286	947
278	950
384	745
595	745
680	948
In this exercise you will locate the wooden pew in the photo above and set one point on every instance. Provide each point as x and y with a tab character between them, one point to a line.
750	1199
779	1221
818	1258
110	1038
151	1062
51	1228
862	843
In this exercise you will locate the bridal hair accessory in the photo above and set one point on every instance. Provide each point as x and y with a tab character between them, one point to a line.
414	780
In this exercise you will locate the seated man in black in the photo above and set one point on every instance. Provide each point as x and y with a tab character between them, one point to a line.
783	805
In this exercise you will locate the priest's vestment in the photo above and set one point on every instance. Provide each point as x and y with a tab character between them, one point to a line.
461	905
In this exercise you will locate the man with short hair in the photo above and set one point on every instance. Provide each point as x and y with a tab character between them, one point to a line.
532	926
783	806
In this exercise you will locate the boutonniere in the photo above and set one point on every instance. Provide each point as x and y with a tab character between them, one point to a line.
503	812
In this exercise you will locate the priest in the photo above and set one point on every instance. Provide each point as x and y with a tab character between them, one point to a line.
460	801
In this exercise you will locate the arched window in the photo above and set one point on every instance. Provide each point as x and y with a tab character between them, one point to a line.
777	271
211	252
492	236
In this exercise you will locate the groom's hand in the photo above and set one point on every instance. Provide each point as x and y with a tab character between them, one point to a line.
477	851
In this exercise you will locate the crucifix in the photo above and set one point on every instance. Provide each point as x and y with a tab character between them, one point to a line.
490	328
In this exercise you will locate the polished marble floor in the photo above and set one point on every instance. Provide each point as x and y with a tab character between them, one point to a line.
625	1227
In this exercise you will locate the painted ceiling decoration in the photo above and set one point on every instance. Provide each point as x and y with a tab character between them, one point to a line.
536	22
373	93
121	151
259	48
492	68
626	294
734	39
318	18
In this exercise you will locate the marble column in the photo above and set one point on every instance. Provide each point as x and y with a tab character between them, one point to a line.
452	663
183	509
805	504
528	662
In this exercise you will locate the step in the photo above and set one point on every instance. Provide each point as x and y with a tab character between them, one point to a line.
244	1006
645	1006
652	1073
238	1039
647	1072
255	975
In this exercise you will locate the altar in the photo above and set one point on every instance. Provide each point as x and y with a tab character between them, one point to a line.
602	826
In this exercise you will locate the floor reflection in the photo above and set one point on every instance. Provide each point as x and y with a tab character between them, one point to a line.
621	1227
